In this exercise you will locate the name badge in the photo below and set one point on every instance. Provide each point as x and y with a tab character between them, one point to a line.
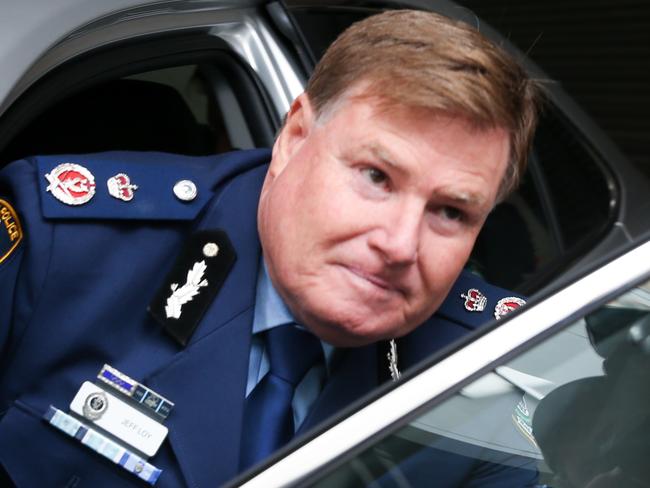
118	418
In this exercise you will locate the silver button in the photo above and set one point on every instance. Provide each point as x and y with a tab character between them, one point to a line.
185	190
210	250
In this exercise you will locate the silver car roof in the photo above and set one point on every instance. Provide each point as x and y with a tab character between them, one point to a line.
29	28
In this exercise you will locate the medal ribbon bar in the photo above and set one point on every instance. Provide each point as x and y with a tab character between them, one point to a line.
103	445
154	403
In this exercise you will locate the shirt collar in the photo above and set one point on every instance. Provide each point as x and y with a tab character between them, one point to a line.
270	309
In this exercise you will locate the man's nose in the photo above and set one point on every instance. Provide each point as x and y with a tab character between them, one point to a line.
398	237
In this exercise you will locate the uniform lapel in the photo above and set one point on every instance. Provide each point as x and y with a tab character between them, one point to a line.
207	379
210	379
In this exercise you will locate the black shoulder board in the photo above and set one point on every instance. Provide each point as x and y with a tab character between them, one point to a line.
192	284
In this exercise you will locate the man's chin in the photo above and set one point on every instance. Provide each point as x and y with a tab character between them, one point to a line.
341	338
346	321
344	334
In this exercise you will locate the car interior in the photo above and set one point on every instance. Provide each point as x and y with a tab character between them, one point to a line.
135	115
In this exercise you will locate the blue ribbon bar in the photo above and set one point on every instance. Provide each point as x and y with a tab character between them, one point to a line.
116	380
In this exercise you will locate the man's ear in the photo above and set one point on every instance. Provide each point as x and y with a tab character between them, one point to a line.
297	127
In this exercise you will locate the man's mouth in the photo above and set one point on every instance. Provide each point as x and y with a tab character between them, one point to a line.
374	279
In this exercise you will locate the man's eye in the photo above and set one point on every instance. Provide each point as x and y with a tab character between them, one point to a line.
452	213
376	176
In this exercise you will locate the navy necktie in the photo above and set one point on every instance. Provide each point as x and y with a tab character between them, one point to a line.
268	415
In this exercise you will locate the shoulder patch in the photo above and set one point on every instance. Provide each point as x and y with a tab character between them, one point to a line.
11	232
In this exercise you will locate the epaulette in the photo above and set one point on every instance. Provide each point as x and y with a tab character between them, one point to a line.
132	185
473	302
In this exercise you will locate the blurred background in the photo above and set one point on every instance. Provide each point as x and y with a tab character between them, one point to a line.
600	49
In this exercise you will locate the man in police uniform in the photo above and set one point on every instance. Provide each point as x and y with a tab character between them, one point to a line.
176	319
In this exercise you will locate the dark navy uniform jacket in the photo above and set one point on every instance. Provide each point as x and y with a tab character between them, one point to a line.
78	287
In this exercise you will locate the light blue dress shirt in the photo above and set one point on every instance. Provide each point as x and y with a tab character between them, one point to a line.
271	311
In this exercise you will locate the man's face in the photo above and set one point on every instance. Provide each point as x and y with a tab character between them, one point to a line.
367	216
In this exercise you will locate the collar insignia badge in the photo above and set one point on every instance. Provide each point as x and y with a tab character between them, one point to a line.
392	361
71	184
180	296
506	305
475	301
120	187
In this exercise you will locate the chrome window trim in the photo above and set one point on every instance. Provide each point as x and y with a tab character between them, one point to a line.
249	36
385	411
255	44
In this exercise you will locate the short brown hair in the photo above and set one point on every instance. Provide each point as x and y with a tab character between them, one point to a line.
422	59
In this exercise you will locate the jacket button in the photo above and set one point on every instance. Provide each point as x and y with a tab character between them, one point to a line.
185	190
210	250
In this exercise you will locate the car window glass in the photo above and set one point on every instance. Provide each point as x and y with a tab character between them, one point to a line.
573	411
579	186
565	202
517	240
